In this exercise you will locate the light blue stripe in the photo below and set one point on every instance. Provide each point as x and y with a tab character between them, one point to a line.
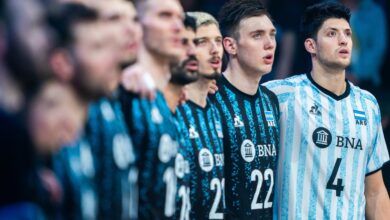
302	155
316	160
328	193
363	164
356	167
287	147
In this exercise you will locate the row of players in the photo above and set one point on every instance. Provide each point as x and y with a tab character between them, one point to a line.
307	147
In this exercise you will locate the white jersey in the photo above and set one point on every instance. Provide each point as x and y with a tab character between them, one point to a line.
329	144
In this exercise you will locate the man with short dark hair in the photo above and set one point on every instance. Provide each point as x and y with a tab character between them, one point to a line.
249	111
150	122
86	56
200	161
332	144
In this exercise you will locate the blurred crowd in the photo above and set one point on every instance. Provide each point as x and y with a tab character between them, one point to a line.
61	61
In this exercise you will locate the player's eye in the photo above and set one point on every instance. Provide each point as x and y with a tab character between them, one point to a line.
218	40
332	33
200	42
165	14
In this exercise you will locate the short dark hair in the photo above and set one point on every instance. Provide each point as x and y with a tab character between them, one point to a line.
315	16
234	11
63	18
189	22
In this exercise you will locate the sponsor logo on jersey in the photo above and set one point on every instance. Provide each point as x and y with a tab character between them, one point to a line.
156	116
206	160
348	142
315	110
238	122
322	137
123	150
192	132
269	116
107	111
248	150
167	148
86	160
182	166
360	117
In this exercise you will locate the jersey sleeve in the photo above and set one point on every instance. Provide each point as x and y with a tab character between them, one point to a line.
379	153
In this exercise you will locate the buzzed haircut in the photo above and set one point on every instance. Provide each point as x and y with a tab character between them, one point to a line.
315	16
234	11
203	19
64	18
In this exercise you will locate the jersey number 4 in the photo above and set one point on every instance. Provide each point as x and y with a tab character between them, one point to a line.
339	184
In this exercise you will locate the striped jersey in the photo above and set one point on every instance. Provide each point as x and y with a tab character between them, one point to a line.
75	168
155	138
329	144
251	145
199	163
115	159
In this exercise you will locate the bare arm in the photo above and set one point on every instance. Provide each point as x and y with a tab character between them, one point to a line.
377	198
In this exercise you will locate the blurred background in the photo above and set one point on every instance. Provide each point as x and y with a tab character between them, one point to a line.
370	67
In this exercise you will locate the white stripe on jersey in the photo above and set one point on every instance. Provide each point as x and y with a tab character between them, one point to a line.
328	146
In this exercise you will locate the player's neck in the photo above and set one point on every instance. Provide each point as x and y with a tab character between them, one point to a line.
242	79
172	94
198	91
156	66
330	79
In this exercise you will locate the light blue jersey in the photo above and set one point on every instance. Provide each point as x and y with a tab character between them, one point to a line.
329	144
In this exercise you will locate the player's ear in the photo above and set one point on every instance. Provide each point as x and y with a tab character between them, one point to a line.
62	65
230	45
310	46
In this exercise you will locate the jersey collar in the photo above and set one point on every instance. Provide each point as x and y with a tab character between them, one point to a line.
329	93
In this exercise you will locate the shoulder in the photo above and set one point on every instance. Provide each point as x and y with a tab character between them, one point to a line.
287	85
365	96
286	88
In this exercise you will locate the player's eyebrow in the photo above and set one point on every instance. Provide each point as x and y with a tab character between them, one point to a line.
260	31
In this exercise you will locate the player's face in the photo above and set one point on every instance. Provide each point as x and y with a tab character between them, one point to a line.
209	49
31	40
162	26
96	58
186	71
334	43
127	30
256	45
56	117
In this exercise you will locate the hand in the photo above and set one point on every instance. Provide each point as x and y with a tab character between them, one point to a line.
135	79
213	87
51	185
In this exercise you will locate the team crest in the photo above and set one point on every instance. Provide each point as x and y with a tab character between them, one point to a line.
360	117
206	161
248	150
